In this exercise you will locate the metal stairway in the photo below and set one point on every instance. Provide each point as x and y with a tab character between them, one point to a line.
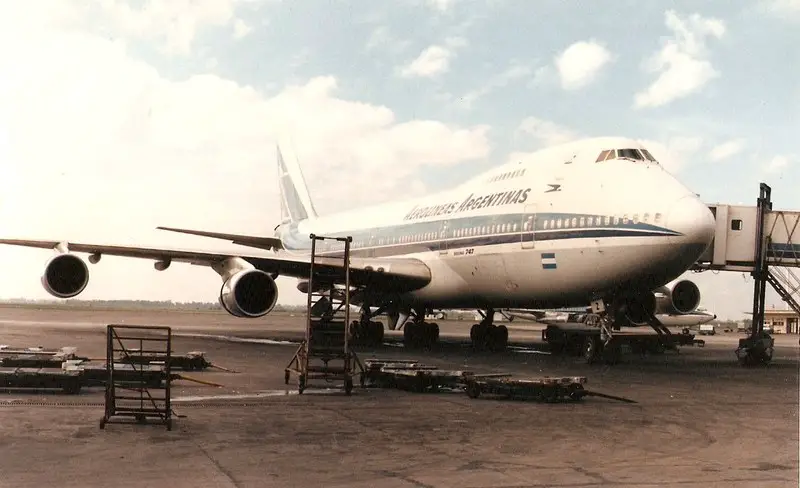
786	284
327	338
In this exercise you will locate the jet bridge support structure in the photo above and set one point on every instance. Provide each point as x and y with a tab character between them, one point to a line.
765	243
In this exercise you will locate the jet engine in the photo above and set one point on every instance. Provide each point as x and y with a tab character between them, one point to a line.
65	276
638	308
249	293
677	298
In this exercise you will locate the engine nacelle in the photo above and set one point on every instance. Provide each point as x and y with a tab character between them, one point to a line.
302	287
679	298
65	276
249	293
638	308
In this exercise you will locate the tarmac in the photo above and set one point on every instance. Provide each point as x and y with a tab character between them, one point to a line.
699	419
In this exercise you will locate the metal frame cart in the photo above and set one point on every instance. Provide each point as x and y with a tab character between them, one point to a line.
143	392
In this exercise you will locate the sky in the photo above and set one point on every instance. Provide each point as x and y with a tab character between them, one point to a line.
117	117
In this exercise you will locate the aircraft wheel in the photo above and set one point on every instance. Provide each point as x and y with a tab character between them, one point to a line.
473	332
488	337
500	334
377	332
434	333
409	334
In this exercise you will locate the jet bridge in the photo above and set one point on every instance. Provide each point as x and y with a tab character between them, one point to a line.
765	243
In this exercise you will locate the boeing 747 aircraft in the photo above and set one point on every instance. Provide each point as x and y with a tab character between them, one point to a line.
598	221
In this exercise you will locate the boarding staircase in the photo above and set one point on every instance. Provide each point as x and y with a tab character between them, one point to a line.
786	284
325	353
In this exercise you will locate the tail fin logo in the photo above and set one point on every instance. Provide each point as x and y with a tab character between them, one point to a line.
294	207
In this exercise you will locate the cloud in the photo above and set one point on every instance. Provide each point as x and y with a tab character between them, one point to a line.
99	146
776	164
783	9
241	29
580	63
441	5
546	133
175	24
726	150
511	74
681	64
675	153
434	60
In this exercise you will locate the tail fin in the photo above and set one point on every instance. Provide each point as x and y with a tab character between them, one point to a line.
295	201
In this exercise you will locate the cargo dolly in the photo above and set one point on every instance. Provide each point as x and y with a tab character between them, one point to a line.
410	375
68	381
593	343
546	389
191	361
37	358
327	338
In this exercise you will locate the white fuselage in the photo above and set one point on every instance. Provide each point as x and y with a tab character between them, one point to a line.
553	231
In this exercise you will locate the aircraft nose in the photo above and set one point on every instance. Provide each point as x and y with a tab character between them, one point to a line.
694	220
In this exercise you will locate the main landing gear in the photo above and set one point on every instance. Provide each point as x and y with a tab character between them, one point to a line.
365	331
486	336
420	334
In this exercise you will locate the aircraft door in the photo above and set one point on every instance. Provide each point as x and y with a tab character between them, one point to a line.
442	242
527	235
373	241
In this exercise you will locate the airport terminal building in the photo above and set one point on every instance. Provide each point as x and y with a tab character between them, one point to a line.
782	321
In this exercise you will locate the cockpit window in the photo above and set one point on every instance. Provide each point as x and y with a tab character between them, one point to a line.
634	154
630	154
648	155
603	155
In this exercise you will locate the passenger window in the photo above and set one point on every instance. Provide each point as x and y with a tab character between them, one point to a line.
574	221
736	224
583	222
545	224
515	227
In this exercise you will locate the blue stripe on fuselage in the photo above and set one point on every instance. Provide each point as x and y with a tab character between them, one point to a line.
476	231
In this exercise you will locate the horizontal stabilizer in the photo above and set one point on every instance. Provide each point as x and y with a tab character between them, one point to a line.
242	240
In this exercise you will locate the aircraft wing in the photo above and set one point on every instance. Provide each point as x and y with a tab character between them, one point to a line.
389	274
242	240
